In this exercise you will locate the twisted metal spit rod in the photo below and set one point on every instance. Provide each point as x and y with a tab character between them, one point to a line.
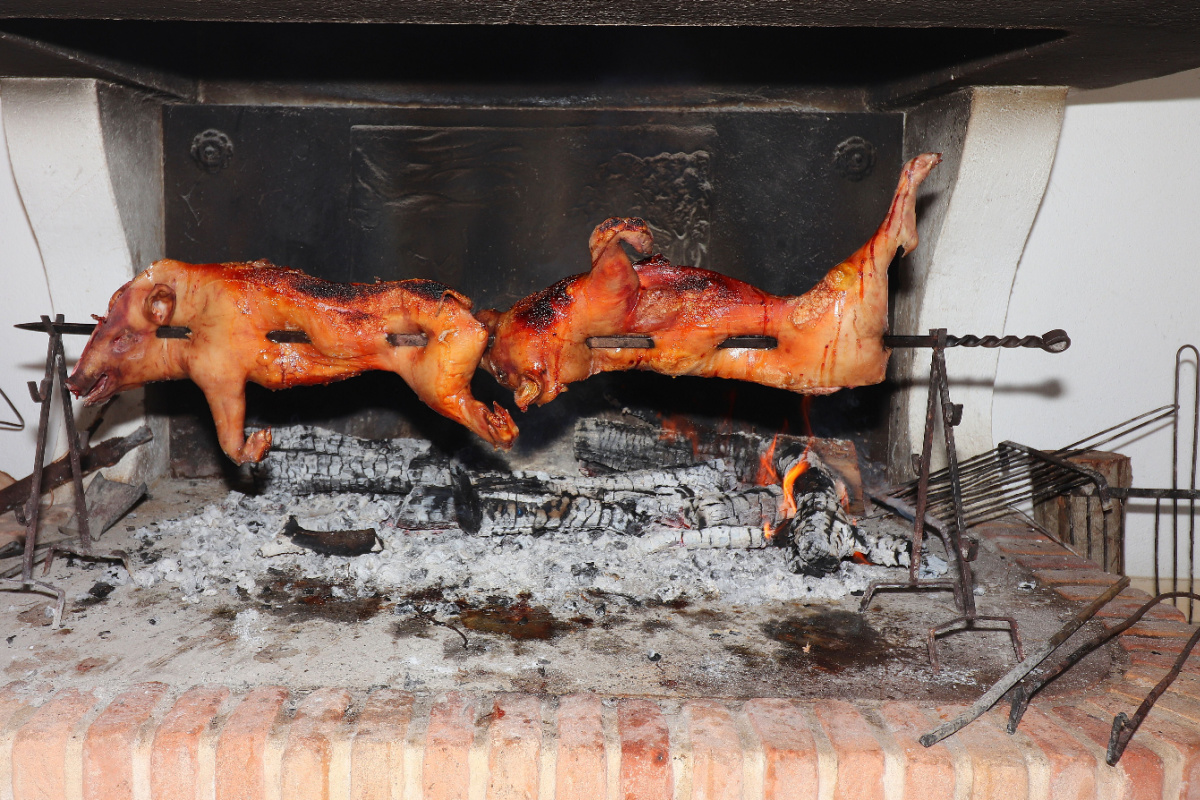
1054	341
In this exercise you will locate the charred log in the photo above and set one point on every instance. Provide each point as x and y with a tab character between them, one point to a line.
607	445
822	534
535	503
56	474
755	507
306	460
720	537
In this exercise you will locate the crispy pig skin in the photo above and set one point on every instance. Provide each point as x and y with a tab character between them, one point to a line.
230	308
829	338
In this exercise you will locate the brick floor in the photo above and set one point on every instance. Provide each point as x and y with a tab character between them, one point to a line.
213	742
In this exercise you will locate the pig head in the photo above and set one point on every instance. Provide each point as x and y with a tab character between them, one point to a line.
124	351
540	344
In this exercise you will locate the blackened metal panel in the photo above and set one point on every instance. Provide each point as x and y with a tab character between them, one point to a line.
500	203
501	211
279	193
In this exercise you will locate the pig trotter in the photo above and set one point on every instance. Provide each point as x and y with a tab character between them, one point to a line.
500	423
256	446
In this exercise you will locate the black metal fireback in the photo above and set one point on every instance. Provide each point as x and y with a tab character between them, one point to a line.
500	203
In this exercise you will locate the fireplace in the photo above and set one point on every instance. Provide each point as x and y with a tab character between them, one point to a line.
755	146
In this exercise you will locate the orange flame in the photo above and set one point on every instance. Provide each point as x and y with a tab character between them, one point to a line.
767	474
789	485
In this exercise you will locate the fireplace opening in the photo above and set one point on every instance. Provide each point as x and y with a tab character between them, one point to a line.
712	535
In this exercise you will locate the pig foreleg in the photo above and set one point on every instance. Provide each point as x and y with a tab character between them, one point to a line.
228	406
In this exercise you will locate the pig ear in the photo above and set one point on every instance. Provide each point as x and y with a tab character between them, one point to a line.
160	304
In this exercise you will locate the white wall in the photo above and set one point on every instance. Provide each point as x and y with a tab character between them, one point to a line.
1112	259
24	296
80	213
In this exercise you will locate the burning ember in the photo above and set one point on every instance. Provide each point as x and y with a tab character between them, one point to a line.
675	427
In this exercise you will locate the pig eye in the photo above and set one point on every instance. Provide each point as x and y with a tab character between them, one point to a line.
123	341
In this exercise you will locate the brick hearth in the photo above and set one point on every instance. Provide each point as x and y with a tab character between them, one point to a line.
160	741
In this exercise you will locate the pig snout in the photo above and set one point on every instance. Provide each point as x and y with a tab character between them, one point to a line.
97	373
92	384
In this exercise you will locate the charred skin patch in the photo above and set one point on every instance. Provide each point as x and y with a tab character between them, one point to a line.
346	294
426	288
541	311
337	292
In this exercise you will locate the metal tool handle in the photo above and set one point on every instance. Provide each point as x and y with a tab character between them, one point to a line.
1054	341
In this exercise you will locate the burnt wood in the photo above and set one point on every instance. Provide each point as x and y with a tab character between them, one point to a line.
605	445
56	474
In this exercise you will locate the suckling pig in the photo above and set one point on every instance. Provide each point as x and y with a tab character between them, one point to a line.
828	338
229	310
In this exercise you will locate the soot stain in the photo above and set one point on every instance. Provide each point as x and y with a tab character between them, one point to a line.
299	599
518	620
829	640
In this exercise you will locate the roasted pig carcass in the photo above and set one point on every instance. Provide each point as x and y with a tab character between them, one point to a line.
279	327
828	338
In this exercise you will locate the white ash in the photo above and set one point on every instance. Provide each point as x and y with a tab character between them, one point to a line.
248	627
217	552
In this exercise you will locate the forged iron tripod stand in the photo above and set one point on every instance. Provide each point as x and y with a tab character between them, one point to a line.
961	549
43	394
